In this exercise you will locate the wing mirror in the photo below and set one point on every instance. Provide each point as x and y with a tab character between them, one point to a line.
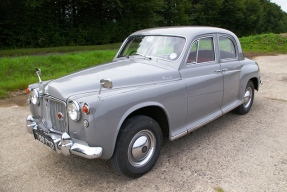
105	83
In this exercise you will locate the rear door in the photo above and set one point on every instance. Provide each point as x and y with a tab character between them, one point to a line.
231	69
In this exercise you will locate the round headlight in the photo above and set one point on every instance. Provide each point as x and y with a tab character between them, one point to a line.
34	97
73	110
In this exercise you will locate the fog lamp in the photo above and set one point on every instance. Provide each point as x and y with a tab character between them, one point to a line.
86	123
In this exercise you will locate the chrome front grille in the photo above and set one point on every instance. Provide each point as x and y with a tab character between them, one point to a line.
54	114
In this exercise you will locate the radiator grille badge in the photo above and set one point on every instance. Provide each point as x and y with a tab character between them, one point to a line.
60	116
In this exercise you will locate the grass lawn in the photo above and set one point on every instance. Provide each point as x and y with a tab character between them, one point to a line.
265	44
17	72
53	50
18	65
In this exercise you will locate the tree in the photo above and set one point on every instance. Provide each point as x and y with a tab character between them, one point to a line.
206	12
232	15
176	12
46	23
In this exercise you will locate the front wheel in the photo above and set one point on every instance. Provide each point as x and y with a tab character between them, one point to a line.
247	99
138	146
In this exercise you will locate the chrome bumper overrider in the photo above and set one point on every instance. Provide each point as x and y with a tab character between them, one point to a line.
65	144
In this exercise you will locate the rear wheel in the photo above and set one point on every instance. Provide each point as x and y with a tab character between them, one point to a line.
247	99
138	146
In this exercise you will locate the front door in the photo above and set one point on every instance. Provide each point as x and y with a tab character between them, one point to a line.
204	81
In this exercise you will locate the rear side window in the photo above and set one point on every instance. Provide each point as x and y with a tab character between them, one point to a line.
227	48
202	50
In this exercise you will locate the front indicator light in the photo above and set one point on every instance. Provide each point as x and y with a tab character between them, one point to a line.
73	109
27	90
86	108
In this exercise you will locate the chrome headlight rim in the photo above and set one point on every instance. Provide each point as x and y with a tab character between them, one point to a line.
73	109
34	97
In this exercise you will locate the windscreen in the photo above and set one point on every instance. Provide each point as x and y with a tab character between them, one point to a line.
164	47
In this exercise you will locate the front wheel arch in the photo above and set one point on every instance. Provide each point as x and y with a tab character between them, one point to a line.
137	147
153	110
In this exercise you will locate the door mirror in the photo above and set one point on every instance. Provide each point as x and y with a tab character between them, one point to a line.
106	83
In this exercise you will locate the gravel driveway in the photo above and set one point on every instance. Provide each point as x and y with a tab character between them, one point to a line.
233	153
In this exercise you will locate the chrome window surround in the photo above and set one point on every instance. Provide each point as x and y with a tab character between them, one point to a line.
197	39
235	48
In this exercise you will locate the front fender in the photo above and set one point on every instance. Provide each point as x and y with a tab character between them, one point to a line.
109	112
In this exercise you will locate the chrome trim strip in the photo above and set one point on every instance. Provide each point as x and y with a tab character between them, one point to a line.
194	128
178	136
203	123
233	107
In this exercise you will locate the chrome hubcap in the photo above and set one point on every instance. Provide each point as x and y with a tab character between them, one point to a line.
141	148
247	97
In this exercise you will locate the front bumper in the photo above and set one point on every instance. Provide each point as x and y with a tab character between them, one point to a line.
65	144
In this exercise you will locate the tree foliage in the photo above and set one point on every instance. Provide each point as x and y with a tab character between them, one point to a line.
48	23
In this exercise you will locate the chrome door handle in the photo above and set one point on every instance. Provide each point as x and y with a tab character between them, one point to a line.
221	70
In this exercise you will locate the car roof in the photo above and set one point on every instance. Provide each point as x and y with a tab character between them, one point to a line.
185	31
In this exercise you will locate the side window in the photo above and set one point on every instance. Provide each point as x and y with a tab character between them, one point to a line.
202	50
227	48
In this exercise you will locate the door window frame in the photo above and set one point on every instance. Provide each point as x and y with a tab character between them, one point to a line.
214	41
235	48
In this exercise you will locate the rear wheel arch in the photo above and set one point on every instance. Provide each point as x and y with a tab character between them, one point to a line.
248	97
255	83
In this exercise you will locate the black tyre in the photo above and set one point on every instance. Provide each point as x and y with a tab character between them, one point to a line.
138	146
248	99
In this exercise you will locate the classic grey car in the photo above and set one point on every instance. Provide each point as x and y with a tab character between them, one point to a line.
169	81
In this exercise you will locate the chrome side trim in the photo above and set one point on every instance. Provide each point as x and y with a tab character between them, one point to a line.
65	144
203	123
178	136
194	128
230	108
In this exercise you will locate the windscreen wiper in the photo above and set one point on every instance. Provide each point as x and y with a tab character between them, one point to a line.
131	53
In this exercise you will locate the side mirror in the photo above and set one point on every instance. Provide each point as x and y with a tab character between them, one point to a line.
105	83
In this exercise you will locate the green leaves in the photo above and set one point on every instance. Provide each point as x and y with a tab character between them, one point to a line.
50	23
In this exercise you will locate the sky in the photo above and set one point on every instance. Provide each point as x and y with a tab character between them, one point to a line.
281	3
